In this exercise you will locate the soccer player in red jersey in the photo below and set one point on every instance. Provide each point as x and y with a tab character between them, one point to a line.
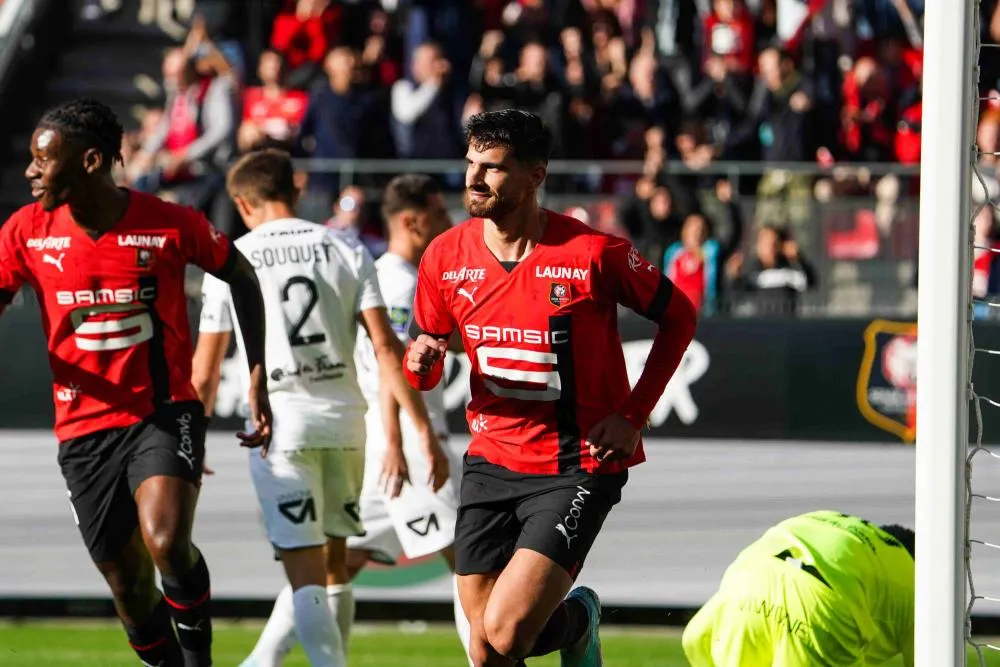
555	426
108	267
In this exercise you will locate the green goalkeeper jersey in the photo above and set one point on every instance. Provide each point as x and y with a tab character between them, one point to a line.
868	569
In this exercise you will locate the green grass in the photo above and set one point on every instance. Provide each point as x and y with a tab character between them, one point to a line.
100	644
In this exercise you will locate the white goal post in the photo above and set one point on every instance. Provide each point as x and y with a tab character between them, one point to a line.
950	105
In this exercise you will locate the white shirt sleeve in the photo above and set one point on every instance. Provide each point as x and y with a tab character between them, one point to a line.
369	294
215	306
398	292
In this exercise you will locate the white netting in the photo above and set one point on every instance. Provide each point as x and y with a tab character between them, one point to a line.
987	196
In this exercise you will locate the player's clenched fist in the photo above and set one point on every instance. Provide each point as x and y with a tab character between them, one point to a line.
423	353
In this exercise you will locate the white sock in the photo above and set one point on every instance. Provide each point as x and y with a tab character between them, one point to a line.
278	636
340	597
317	631
461	622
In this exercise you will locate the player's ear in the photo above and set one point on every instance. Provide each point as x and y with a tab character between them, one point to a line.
244	208
93	160
408	219
538	172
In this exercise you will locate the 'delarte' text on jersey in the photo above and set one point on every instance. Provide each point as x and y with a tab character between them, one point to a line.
542	339
113	308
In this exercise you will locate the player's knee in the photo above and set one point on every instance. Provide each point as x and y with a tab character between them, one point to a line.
510	636
169	549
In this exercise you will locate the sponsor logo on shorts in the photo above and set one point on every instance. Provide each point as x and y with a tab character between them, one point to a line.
186	449
571	522
423	525
298	510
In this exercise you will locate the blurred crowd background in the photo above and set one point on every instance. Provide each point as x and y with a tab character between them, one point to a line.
761	152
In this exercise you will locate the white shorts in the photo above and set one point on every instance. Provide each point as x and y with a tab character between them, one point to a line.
416	523
308	495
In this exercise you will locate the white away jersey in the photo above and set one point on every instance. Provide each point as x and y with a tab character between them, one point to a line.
398	281
314	282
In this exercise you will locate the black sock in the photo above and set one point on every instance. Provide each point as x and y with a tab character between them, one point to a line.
154	641
566	626
189	597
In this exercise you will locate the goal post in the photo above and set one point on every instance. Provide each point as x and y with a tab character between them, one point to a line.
950	105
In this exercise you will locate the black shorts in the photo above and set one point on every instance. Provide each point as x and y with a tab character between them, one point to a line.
103	470
501	511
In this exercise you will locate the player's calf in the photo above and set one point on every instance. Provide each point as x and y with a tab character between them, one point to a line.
166	508
131	578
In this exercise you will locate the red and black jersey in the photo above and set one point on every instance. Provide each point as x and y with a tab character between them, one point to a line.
542	338
113	308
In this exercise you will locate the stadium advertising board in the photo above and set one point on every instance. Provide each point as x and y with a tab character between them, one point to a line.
830	379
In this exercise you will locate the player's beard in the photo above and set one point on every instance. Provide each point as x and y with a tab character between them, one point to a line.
494	207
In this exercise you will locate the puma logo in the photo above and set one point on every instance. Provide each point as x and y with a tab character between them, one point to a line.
190	628
468	295
49	259
565	533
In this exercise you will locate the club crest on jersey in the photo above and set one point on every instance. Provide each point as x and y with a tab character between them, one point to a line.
887	379
144	258
559	294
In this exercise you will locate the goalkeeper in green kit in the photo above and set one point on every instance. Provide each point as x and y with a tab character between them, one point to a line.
816	590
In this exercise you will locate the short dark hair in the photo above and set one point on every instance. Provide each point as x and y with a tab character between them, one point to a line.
408	191
521	132
903	535
262	176
91	123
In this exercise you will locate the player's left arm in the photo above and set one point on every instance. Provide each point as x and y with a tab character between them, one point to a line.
624	277
215	330
210	249
389	352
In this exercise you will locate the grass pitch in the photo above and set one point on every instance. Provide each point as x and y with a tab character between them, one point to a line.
102	644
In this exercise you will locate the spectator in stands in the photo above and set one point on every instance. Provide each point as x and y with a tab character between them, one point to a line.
695	262
381	53
728	34
533	86
423	115
775	278
336	125
271	112
867	120
645	102
778	119
304	31
191	144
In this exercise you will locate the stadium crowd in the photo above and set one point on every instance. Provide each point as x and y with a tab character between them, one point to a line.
829	83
